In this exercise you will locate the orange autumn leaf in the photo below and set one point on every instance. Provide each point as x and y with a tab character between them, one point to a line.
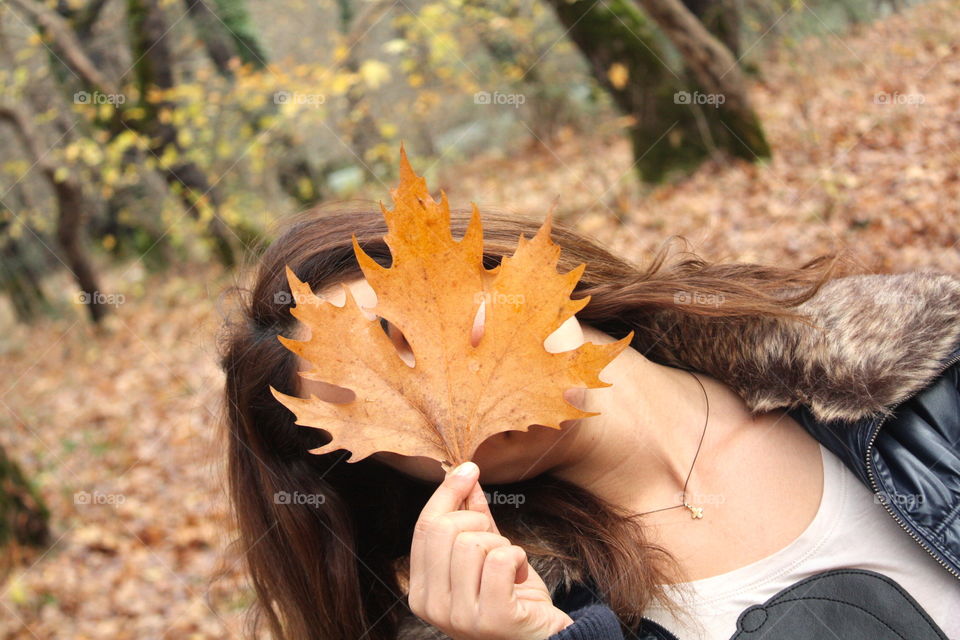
456	394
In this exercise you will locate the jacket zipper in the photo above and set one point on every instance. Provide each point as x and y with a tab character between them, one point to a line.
883	500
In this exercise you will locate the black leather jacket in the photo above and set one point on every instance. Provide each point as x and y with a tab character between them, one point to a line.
922	490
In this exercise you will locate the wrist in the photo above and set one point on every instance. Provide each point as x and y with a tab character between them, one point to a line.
563	621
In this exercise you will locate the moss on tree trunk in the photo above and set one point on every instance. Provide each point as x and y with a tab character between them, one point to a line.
23	516
671	130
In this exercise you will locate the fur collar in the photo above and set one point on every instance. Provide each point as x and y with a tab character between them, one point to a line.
878	340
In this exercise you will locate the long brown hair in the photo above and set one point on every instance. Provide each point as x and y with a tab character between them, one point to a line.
333	567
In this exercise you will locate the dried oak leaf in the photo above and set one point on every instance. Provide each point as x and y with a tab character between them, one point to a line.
457	394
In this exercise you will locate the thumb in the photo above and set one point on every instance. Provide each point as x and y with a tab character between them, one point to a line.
452	492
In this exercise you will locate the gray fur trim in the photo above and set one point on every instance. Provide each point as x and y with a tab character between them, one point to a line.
878	340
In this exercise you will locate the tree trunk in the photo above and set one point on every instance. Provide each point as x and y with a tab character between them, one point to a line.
24	517
717	71
82	19
615	35
236	20
71	206
671	131
217	43
219	34
154	69
721	18
20	281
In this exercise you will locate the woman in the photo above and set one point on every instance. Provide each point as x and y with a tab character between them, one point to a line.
745	478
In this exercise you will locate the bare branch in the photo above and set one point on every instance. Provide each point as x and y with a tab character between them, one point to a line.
66	44
71	205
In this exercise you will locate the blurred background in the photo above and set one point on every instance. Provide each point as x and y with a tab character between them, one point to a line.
151	147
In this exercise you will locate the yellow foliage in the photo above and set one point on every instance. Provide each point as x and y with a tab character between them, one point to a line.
342	82
514	72
305	187
185	137
20	77
388	130
169	157
91	153
71	152
17	591
135	113
124	141
444	49
618	74
110	175
397	45
374	73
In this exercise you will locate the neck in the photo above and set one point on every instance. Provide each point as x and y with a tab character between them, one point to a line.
638	452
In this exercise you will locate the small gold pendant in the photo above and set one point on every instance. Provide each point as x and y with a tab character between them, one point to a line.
696	513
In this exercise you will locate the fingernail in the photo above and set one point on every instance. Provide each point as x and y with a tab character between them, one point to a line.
465	469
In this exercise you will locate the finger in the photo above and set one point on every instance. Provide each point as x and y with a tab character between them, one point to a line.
430	576
499	577
440	542
469	553
452	491
477	501
447	497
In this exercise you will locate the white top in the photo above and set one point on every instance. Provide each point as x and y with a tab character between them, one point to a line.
850	530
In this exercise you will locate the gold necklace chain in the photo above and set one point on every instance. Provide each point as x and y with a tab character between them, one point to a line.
696	513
